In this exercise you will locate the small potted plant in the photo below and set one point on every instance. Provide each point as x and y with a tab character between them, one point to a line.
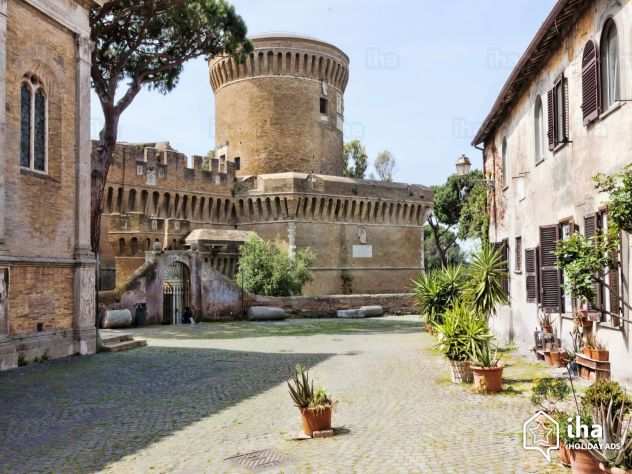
557	357
487	369
548	392
599	351
546	322
316	407
588	346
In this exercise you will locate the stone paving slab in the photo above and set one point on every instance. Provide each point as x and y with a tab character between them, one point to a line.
199	395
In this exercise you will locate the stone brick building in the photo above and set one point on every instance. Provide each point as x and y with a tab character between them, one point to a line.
277	172
46	266
561	118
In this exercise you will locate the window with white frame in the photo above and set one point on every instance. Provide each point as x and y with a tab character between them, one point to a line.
33	125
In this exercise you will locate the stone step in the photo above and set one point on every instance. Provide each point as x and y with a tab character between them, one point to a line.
114	338
124	345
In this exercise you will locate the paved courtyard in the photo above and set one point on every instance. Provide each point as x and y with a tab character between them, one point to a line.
199	395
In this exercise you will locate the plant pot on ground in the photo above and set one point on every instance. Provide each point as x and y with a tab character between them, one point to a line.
547	357
315	406
565	455
583	462
462	331
487	370
557	358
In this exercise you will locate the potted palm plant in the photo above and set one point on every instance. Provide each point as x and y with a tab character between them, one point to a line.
461	333
485	278
436	292
487	369
316	407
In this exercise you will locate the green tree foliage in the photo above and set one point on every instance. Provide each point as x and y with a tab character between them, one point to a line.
356	160
462	333
385	165
265	268
619	188
453	252
460	212
144	43
581	258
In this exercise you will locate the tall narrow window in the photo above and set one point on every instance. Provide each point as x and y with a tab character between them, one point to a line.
538	128
609	66
39	128
558	129
503	164
518	255
590	83
25	125
33	125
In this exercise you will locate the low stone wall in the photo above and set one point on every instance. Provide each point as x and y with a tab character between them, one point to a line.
326	306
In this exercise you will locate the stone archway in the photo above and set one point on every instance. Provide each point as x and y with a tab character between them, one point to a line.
176	292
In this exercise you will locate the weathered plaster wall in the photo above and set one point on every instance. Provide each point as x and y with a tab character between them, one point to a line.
560	187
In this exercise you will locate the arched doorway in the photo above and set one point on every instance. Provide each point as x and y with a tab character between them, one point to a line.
176	293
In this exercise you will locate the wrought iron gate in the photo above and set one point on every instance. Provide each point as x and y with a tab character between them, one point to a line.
175	293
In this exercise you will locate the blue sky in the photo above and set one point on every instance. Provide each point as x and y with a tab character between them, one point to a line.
423	75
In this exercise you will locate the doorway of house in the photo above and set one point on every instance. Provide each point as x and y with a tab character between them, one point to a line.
176	291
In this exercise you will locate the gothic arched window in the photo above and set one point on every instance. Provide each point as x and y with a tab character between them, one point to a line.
33	125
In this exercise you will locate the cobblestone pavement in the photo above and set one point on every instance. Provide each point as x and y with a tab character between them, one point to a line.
199	395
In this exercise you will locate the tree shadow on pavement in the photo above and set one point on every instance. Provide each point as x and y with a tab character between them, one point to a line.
292	327
80	414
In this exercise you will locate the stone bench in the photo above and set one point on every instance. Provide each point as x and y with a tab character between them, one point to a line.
266	313
362	312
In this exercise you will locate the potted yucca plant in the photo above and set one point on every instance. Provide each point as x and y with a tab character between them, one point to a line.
315	406
462	331
487	369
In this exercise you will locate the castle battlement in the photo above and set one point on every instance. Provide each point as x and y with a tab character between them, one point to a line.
157	165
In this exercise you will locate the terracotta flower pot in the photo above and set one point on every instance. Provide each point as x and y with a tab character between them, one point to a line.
488	379
547	358
565	455
461	371
582	462
617	470
587	351
556	358
602	355
547	329
316	419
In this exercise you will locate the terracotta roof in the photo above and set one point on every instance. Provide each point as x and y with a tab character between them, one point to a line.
563	16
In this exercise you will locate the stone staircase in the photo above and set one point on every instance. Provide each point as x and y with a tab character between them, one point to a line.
118	342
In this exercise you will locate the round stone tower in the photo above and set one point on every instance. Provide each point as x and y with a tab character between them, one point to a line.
282	109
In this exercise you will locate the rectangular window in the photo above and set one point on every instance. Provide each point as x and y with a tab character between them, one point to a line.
323	106
518	255
140	170
503	248
162	171
558	113
237	163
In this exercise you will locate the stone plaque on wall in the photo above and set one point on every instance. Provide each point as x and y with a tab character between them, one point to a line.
362	251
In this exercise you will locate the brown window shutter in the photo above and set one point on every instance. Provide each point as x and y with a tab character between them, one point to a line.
591	228
567	134
531	275
549	273
590	83
551	118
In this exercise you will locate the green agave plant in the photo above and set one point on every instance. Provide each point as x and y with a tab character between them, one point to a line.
485	280
437	291
462	332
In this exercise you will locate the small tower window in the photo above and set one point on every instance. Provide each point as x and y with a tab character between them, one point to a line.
237	163
323	106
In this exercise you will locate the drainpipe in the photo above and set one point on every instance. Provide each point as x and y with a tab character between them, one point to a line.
493	189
